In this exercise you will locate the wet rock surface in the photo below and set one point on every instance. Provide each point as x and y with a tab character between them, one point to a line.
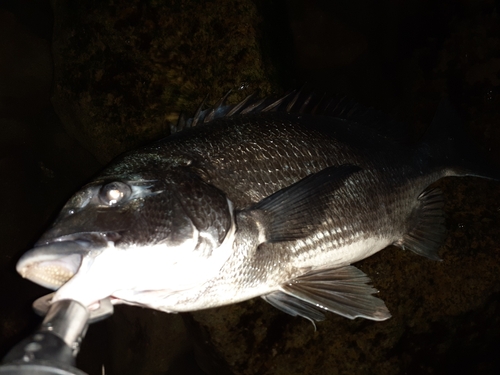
445	314
123	70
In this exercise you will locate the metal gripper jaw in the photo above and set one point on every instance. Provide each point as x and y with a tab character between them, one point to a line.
53	347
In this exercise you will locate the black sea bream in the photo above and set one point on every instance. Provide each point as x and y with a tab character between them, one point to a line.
271	199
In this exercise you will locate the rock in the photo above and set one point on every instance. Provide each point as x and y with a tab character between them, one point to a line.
445	314
124	69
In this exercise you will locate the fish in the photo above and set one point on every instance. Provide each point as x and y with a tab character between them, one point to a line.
270	198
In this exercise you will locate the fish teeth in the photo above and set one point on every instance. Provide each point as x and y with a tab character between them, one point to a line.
48	274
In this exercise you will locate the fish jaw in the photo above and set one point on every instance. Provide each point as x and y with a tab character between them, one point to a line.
88	268
52	265
93	280
145	276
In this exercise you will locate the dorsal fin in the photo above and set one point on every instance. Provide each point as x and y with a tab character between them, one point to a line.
299	102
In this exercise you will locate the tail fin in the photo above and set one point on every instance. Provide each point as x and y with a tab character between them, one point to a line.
445	146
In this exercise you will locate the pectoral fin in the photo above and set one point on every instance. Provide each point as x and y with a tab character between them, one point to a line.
343	291
295	211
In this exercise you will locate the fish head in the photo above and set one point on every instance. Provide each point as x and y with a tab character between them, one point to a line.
128	234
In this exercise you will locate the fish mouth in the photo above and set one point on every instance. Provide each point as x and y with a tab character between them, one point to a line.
51	265
52	262
85	240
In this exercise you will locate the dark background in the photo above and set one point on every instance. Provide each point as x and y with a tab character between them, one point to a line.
401	57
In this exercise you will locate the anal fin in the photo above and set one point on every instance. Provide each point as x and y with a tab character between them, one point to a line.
343	291
294	306
427	226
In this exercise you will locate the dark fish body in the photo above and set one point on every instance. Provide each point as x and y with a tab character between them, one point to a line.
253	202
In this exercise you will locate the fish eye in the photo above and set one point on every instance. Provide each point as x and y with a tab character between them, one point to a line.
114	192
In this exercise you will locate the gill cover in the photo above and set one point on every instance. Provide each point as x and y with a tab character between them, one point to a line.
207	208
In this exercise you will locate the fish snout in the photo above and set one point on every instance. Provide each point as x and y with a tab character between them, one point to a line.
86	239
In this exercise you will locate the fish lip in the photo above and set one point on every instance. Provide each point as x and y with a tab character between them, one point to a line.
86	240
54	260
63	256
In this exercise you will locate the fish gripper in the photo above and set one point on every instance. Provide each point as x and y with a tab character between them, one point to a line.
53	347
